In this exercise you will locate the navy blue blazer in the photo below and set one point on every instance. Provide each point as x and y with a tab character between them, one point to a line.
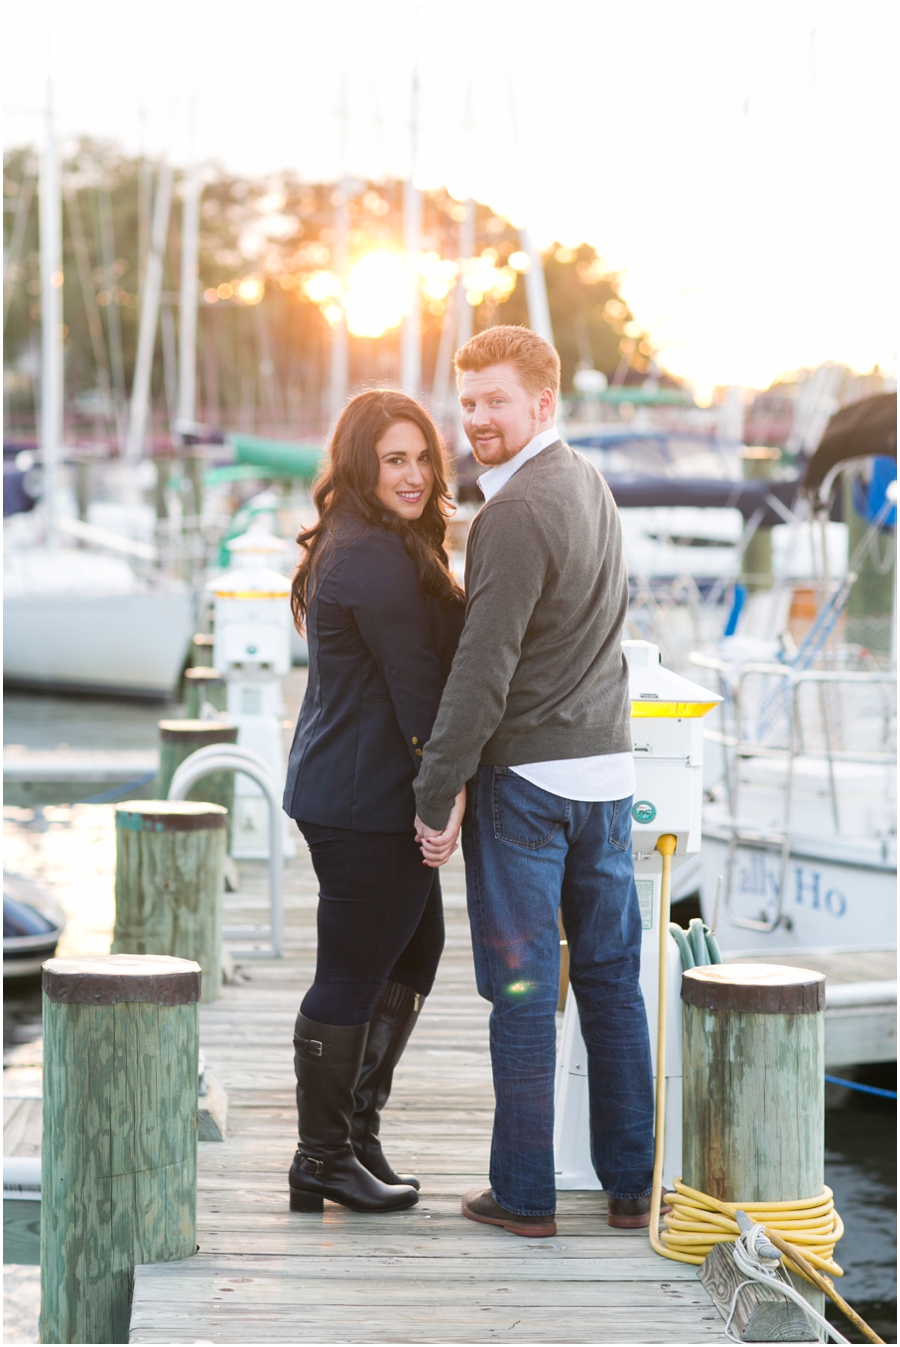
379	655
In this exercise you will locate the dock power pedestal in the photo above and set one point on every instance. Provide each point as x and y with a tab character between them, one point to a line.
667	735
252	651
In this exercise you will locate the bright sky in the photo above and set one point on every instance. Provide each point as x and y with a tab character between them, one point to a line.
737	161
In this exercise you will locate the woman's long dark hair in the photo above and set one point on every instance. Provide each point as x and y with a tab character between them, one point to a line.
346	489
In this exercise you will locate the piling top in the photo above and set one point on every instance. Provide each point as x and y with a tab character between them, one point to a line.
755	988
110	979
201	673
198	732
170	816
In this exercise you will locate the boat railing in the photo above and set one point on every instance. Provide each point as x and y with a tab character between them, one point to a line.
782	702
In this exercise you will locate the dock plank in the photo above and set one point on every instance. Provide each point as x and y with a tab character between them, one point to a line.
266	1274
22	1123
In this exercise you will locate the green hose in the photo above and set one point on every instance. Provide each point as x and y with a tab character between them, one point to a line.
697	945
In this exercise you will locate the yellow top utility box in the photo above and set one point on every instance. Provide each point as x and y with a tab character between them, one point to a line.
253	620
667	736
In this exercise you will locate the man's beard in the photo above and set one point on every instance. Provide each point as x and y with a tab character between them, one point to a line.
500	443
493	462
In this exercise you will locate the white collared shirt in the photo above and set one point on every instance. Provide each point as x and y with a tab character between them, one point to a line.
606	776
492	480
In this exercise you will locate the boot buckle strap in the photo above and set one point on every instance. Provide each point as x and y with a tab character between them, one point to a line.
315	1165
313	1046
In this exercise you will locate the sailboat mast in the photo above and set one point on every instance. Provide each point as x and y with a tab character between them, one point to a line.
143	365
50	224
187	343
535	281
465	314
337	391
456	329
411	336
536	289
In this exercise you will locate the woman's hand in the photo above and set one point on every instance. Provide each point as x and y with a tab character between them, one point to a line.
438	847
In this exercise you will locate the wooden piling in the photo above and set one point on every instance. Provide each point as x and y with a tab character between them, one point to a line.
119	1176
754	1084
170	857
178	739
203	684
202	648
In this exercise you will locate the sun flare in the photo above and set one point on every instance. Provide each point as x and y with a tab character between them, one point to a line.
380	293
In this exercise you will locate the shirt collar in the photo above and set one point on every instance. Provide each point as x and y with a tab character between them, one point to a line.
492	480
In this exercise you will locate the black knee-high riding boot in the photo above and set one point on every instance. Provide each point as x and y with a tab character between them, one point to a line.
393	1020
327	1060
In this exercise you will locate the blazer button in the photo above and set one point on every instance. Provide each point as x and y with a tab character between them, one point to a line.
414	739
418	752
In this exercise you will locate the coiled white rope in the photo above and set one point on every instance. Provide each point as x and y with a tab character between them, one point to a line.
758	1259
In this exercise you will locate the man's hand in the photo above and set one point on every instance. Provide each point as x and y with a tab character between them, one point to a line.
438	847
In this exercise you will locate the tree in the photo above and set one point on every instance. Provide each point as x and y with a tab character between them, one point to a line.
264	335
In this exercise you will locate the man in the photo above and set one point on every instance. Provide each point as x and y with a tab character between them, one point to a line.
535	717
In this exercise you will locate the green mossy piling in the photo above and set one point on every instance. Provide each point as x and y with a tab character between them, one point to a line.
170	858
119	1177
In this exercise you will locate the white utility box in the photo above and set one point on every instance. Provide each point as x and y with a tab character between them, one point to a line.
252	651
667	736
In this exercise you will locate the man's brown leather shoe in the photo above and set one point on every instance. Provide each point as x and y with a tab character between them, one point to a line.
479	1205
630	1213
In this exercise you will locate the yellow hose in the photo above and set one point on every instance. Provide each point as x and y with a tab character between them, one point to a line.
666	846
697	1221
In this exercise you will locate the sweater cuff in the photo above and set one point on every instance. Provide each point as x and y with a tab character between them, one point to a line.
434	810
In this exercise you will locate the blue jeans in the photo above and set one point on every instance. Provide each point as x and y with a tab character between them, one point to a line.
529	853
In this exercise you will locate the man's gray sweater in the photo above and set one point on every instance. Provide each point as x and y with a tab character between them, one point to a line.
539	673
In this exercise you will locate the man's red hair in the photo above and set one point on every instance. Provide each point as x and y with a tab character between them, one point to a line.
535	360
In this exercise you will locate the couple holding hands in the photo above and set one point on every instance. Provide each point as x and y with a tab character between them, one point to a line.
502	712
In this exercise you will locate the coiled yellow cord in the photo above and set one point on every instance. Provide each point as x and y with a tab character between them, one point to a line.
698	1221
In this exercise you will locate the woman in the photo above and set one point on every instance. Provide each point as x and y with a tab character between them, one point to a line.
382	616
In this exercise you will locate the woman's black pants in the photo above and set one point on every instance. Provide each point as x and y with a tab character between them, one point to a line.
380	919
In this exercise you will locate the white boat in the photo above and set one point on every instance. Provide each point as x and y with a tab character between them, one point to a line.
801	811
78	621
800	773
803	834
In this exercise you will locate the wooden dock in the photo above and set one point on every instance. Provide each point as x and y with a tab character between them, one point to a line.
264	1274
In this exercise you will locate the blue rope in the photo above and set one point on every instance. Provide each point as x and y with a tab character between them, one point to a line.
865	1089
117	791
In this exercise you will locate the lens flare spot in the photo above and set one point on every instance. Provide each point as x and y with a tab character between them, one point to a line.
250	290
380	293
519	989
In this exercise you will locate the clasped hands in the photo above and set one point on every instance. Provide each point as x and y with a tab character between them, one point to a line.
437	847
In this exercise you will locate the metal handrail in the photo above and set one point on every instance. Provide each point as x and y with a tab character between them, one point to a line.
231	757
782	838
816	675
721	666
794	678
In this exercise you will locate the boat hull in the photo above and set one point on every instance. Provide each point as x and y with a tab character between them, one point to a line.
831	901
122	644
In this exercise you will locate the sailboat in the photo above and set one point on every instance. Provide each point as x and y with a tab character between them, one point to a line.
85	618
